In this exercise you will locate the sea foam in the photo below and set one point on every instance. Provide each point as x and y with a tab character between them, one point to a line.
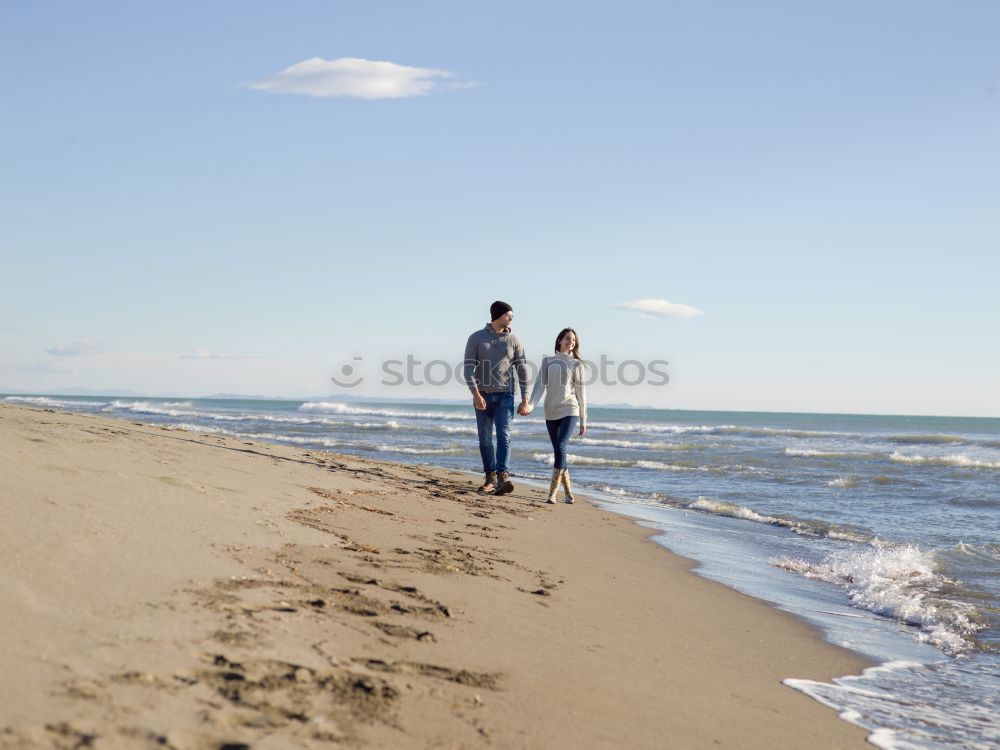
844	482
191	427
902	582
725	429
720	508
641	445
145	407
902	703
931	439
804	527
813	453
51	402
957	460
548	458
336	407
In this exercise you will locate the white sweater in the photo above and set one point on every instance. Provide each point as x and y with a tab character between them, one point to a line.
561	377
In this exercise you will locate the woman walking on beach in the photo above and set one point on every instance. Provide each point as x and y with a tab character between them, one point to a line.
561	378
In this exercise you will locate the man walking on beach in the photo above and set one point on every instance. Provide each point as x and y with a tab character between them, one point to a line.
490	355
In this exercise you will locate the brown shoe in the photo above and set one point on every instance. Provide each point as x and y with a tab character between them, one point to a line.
490	484
504	485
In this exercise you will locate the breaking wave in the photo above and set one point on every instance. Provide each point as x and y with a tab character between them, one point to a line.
549	458
642	445
844	482
958	460
147	407
902	582
449	450
932	439
335	407
805	527
811	453
50	402
725	429
903	705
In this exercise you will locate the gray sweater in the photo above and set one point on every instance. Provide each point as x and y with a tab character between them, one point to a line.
489	358
562	378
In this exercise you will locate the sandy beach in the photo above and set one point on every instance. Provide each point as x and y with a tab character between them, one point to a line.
165	588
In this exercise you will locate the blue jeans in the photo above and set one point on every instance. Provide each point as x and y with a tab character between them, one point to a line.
559	432
499	411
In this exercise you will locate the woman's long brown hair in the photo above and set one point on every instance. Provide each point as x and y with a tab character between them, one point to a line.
575	351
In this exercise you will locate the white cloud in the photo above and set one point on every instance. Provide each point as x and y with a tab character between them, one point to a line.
354	76
660	308
76	348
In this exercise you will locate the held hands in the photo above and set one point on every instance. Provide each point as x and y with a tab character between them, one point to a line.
480	403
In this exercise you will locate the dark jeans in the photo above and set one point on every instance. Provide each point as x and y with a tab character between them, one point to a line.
559	432
499	411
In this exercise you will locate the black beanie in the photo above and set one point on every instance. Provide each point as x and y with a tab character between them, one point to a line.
499	308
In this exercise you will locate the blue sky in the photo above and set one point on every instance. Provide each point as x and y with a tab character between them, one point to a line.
821	182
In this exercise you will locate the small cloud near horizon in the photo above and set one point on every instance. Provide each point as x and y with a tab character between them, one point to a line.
76	348
660	308
358	78
205	354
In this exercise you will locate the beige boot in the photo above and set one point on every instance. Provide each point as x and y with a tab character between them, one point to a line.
554	486
567	487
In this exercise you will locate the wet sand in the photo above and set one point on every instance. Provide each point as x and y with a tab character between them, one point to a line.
164	588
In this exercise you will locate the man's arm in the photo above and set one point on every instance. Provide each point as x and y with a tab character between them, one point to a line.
469	364
469	372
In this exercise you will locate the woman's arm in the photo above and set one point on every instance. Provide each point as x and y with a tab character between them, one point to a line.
541	381
581	394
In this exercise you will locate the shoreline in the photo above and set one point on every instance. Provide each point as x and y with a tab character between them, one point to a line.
208	589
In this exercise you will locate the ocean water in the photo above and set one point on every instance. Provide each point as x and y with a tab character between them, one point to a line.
884	531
